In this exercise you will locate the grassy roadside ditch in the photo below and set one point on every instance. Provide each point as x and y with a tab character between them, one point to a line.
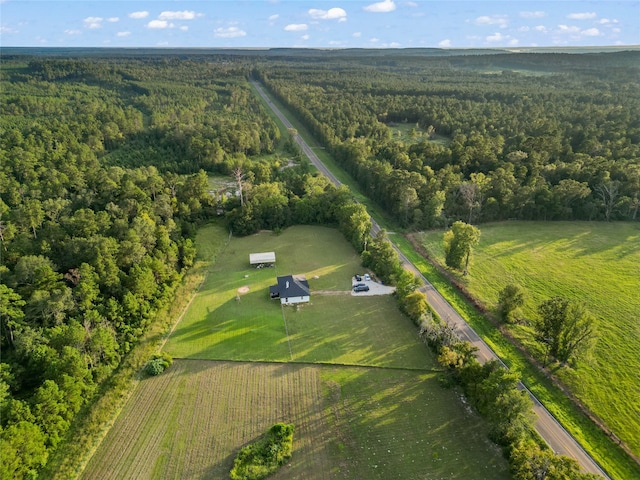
94	421
602	448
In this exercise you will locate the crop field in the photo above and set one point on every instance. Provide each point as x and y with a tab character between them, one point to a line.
595	264
351	423
190	422
351	375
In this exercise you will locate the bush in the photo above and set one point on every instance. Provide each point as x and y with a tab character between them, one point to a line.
158	364
263	457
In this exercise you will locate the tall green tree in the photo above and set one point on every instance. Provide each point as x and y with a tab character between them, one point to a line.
510	299
22	449
459	243
563	327
11	313
31	214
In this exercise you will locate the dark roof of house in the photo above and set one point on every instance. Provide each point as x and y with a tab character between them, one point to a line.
290	286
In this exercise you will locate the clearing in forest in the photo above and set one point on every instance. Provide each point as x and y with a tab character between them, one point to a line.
594	264
410	133
349	372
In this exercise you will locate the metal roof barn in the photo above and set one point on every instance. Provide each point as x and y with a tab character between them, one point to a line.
265	257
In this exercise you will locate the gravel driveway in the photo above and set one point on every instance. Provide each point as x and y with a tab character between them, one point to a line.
375	288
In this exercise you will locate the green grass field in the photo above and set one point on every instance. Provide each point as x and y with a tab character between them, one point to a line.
595	264
351	374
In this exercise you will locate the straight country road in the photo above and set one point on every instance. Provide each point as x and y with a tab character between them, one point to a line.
560	441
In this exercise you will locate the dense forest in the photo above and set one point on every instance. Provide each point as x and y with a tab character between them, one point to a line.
532	136
104	179
101	189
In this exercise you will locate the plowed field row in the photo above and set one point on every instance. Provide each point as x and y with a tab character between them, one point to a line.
189	422
351	423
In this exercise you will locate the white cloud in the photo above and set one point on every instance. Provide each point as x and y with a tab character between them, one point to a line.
274	17
72	32
123	34
374	40
446	43
184	28
616	30
591	32
331	14
394	45
381	7
496	37
357	34
524	29
536	14
582	16
93	22
568	29
138	15
305	37
113	19
607	21
231	32
184	15
296	27
7	30
540	28
500	20
410	4
158	24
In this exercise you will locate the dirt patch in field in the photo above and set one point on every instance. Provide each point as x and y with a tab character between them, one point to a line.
244	289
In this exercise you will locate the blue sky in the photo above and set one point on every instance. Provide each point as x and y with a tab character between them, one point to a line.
319	23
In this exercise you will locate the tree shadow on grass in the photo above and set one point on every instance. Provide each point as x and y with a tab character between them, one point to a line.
245	329
219	469
356	331
401	424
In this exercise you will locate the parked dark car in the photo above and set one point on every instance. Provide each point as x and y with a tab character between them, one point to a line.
358	277
361	288
359	285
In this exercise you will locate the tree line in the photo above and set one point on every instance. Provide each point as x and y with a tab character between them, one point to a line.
494	392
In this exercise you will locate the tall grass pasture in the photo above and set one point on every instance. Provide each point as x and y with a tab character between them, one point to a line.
594	264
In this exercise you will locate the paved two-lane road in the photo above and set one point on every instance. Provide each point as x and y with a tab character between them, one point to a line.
547	426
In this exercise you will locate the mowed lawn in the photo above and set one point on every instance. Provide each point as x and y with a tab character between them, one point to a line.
351	375
350	423
592	263
233	318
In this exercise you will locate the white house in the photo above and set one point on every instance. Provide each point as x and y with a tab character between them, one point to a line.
290	290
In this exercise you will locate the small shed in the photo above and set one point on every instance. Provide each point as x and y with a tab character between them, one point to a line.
291	290
262	259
